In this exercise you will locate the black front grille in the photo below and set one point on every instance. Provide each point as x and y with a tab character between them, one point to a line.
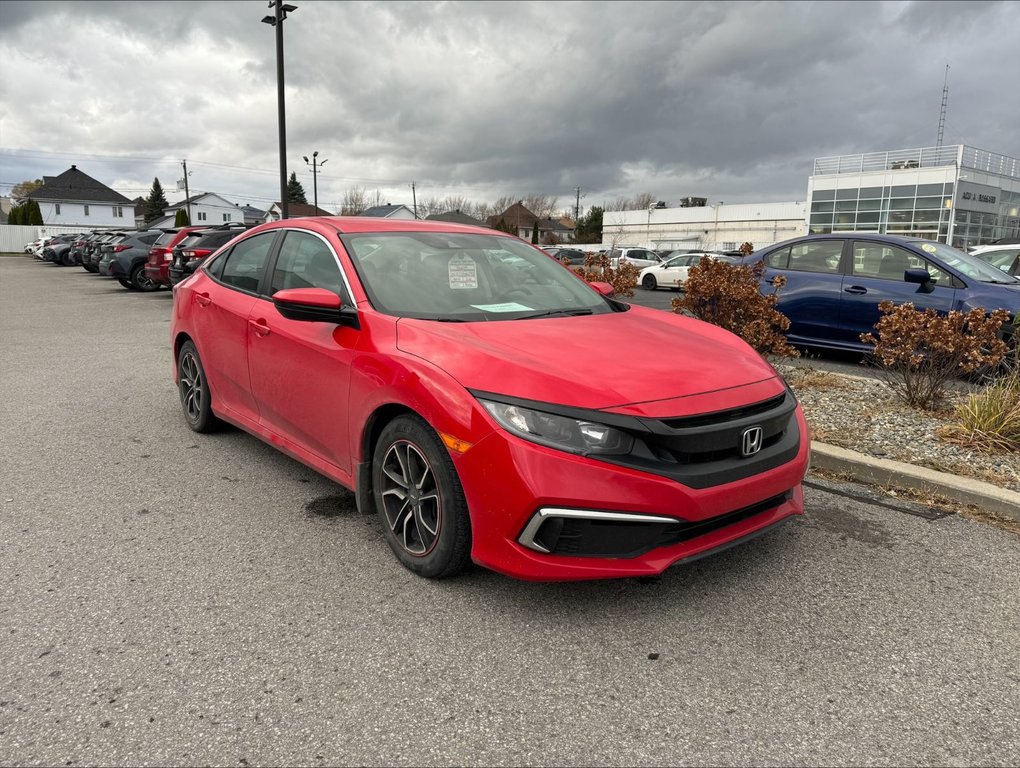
720	417
582	537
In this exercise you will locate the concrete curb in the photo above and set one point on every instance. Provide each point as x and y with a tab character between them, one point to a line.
868	469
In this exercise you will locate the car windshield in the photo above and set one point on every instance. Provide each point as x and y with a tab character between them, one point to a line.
1000	258
964	263
465	277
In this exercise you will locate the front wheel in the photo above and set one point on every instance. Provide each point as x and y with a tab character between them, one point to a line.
648	283
194	390
419	499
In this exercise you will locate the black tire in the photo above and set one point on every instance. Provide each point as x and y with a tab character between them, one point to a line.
648	283
67	259
126	283
428	528
193	387
141	281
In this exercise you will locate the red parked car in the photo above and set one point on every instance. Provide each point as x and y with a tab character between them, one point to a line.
484	401
158	264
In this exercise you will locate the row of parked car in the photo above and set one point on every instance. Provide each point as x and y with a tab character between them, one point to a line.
141	260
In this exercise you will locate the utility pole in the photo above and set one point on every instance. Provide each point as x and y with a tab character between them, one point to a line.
414	200
315	185
277	21
577	206
942	114
187	195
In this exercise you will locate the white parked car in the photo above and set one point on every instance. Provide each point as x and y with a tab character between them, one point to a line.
672	273
1005	257
639	257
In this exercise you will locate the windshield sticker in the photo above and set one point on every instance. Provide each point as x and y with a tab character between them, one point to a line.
463	273
508	307
928	248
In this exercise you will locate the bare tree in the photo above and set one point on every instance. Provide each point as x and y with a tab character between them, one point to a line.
355	201
502	203
644	201
543	206
641	202
428	206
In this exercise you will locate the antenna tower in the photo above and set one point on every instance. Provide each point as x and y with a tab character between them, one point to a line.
942	114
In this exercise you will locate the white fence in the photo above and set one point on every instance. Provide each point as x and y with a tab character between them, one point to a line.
14	237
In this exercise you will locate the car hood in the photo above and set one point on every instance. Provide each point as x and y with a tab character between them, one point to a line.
598	362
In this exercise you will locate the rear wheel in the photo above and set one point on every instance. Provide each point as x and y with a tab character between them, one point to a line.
194	391
141	281
648	283
419	499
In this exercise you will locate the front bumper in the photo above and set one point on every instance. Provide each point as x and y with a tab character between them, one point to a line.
508	481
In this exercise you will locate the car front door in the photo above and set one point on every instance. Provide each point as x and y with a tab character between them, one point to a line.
813	291
300	370
876	275
220	321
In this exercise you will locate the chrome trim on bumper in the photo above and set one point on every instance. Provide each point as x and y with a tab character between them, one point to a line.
527	537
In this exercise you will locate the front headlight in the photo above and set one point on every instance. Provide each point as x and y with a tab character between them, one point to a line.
560	432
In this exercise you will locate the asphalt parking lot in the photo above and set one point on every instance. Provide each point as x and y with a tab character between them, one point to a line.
169	598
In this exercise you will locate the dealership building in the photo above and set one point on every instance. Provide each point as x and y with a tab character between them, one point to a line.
956	194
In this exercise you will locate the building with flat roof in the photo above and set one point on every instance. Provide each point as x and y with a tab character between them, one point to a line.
955	194
722	226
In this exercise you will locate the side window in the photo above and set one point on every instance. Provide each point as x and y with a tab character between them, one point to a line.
246	261
816	256
305	261
888	262
778	259
149	239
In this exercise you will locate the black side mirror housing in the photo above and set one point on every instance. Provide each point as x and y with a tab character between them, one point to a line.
920	276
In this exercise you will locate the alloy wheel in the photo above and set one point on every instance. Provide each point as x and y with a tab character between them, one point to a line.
411	500
192	387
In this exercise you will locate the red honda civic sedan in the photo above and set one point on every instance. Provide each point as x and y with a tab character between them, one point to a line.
485	402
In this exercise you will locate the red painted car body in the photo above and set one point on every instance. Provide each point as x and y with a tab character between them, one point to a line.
321	391
157	266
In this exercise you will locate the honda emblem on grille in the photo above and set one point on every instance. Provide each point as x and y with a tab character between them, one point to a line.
750	442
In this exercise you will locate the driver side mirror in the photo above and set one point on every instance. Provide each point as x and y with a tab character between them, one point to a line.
315	305
605	289
920	276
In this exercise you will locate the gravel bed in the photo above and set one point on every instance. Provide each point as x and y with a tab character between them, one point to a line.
862	414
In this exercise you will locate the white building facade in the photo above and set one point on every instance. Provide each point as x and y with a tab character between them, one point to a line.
712	227
955	194
210	209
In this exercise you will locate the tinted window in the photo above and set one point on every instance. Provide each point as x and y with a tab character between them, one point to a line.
166	238
305	261
149	239
246	262
889	262
816	256
779	259
188	242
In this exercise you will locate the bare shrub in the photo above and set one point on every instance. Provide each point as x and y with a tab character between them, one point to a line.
599	269
728	295
919	353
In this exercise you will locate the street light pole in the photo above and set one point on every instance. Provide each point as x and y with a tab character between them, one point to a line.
315	184
277	21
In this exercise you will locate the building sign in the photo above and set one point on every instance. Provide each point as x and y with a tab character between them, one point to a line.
980	198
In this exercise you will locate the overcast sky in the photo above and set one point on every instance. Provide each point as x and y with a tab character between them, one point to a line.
728	101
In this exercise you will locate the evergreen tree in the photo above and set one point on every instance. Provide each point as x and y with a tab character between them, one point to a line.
14	217
534	234
181	219
295	192
589	228
33	216
155	203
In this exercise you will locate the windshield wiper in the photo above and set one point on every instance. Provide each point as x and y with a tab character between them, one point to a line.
555	313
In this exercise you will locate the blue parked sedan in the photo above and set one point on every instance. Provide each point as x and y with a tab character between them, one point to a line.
835	282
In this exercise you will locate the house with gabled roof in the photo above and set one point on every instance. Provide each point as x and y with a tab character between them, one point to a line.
208	208
390	211
523	221
456	217
294	211
76	199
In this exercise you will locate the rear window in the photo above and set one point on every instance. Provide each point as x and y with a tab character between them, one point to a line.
165	239
189	242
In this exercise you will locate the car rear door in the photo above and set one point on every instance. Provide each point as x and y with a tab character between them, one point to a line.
813	291
875	274
300	370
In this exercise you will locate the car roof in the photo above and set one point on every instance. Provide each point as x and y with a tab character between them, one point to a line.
875	236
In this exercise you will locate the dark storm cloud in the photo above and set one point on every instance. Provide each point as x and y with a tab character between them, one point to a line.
727	100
